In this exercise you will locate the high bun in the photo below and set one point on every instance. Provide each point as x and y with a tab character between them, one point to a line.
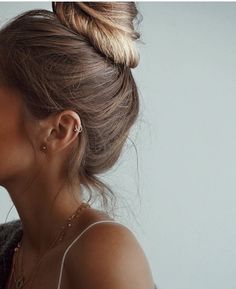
78	57
109	26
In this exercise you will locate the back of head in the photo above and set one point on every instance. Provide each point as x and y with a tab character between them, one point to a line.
78	57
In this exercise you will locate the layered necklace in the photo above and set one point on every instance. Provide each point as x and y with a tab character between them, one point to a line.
20	280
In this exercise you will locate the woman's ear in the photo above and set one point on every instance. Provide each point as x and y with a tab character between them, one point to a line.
59	130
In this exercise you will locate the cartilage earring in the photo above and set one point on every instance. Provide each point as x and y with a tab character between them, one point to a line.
76	129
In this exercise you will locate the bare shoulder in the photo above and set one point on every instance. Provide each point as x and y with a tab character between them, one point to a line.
108	255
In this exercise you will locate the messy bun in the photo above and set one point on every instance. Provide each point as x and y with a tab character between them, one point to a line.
107	25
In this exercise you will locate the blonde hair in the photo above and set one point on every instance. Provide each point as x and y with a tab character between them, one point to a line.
107	25
78	57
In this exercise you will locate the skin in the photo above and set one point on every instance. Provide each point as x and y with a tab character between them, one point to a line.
33	178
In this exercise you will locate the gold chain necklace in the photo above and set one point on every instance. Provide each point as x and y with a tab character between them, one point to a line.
20	281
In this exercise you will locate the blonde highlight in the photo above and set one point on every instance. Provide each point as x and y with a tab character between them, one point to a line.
100	23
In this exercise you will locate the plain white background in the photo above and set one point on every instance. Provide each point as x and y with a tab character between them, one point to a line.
185	139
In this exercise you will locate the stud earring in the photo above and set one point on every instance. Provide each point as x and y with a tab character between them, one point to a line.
44	147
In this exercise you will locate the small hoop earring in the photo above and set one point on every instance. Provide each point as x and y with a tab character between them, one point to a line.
76	129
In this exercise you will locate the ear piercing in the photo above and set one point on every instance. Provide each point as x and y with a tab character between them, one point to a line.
44	147
76	129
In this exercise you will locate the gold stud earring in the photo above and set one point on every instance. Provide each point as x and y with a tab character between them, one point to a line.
44	147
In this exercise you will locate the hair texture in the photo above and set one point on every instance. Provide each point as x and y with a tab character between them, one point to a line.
78	57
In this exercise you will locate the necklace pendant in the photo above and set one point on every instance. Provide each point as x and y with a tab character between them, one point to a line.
20	282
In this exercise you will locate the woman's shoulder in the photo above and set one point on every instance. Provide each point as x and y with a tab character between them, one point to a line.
10	225
10	234
107	248
9	230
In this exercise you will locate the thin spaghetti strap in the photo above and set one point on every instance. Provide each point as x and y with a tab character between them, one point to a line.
72	243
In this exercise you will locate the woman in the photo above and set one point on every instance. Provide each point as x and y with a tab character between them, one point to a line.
67	102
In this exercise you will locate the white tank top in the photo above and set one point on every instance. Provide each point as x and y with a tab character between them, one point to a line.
71	244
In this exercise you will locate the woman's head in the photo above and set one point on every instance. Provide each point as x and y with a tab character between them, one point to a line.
76	59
